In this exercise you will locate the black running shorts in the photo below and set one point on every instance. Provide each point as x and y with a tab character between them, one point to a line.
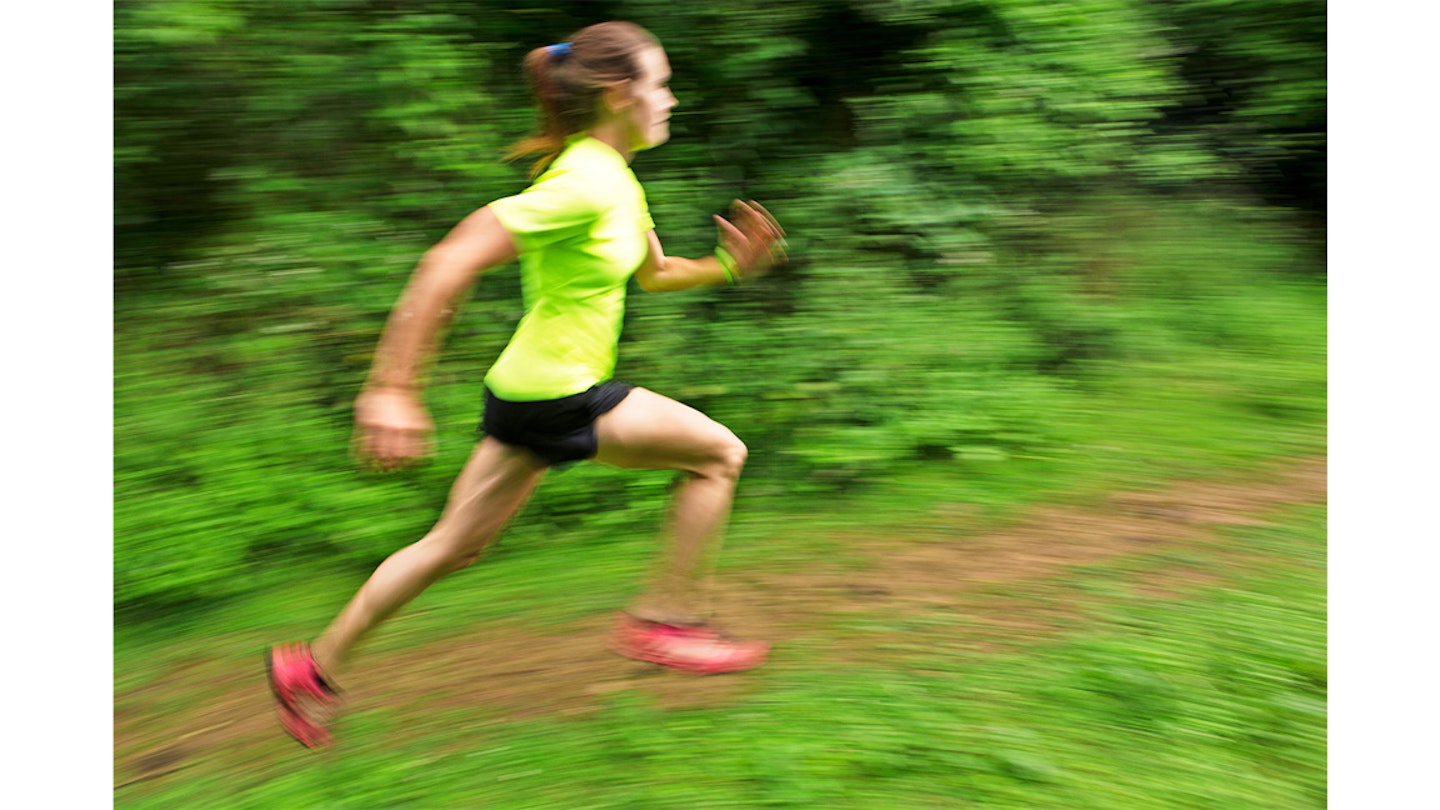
558	430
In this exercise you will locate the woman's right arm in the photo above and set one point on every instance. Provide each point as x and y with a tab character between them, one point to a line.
392	425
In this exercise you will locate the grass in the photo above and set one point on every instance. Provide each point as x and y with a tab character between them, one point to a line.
1216	700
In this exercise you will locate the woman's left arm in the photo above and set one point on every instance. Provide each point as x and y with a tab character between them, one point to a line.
748	247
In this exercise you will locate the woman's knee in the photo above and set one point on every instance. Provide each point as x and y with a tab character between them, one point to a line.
456	545
461	556
465	559
728	456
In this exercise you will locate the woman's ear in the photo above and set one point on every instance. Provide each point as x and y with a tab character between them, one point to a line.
617	97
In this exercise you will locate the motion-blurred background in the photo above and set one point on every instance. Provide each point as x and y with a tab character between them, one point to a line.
995	207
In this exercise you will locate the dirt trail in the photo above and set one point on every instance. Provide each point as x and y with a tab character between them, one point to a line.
202	707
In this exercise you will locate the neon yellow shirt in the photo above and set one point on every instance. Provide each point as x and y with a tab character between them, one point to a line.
581	232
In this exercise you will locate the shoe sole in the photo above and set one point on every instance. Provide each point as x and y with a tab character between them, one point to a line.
680	666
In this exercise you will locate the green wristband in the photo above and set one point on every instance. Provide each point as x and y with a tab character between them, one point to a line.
728	265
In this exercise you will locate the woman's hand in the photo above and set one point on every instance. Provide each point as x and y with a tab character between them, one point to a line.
753	238
392	428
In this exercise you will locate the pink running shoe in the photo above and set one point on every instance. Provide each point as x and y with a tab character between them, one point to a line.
305	702
696	649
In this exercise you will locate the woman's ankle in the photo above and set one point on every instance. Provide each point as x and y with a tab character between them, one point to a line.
666	615
326	662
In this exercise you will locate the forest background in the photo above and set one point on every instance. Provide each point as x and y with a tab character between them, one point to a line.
997	208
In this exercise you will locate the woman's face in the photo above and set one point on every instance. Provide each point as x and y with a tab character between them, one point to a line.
648	119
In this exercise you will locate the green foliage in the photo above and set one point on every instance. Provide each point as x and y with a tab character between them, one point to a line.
977	247
1254	74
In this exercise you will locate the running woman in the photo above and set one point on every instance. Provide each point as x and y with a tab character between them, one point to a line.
581	230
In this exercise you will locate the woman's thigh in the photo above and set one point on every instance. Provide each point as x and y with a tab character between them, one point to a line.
650	431
494	484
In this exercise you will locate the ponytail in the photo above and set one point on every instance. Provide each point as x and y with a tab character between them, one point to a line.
540	70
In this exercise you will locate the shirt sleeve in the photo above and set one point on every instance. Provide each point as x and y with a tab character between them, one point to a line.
558	206
646	223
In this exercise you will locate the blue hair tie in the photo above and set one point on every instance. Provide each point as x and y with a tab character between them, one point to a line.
558	49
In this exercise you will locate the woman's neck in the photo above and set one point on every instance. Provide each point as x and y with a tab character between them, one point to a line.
613	137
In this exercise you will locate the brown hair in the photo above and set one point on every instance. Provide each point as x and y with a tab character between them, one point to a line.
568	79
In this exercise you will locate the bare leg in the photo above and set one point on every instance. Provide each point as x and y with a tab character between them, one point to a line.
649	431
495	483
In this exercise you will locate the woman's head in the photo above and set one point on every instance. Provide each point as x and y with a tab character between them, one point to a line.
613	74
